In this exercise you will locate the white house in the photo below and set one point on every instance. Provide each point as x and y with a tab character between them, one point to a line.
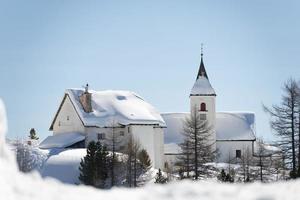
85	115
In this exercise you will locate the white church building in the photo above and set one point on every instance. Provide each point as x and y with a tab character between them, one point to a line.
85	115
233	133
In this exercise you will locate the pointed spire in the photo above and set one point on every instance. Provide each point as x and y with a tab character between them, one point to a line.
202	71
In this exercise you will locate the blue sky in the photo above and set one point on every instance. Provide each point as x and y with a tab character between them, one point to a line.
150	47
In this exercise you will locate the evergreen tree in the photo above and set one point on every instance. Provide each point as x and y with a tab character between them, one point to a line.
94	167
160	178
222	176
102	164
33	134
87	166
145	160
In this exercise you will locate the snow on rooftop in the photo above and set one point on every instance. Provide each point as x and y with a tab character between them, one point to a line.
61	140
235	126
172	148
122	107
173	132
64	166
265	149
202	86
229	126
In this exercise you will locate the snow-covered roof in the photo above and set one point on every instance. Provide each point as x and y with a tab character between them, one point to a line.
61	140
202	86
123	107
229	126
172	148
235	126
263	149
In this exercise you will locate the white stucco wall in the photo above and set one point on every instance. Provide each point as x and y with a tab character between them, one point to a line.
227	149
210	101
67	119
159	147
92	135
151	140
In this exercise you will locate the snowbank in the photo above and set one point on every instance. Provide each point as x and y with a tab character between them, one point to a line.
17	186
64	165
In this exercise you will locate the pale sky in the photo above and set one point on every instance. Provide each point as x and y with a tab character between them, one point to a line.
149	47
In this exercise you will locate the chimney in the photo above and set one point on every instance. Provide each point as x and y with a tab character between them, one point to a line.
86	100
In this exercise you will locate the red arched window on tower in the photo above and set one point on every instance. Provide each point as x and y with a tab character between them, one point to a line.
203	107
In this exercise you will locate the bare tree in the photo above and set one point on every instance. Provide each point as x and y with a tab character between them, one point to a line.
246	162
185	158
132	150
113	143
197	134
283	122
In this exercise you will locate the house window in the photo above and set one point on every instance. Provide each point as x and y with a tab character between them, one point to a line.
128	129
122	133
203	117
203	107
68	118
101	136
238	154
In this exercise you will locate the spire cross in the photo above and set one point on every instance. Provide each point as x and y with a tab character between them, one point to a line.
201	50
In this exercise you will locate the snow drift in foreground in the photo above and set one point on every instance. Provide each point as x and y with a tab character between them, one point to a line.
17	186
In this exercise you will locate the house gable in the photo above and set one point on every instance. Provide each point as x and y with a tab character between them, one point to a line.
67	118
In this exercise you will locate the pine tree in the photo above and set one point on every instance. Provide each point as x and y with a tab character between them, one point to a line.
160	178
33	134
222	176
102	164
145	160
87	166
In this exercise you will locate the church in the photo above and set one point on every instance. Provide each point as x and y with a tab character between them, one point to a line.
85	115
232	133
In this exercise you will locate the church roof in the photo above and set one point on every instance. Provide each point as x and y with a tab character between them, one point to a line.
202	71
202	86
122	107
230	126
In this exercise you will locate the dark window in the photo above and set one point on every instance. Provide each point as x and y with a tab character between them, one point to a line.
203	107
238	153
101	136
68	118
122	133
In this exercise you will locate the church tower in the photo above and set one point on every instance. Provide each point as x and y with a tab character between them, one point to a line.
203	99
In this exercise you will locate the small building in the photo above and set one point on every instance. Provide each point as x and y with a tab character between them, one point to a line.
85	115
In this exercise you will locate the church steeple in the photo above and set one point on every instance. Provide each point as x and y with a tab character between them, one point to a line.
202	71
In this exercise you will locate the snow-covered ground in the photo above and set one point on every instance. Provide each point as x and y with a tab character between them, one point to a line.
17	186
